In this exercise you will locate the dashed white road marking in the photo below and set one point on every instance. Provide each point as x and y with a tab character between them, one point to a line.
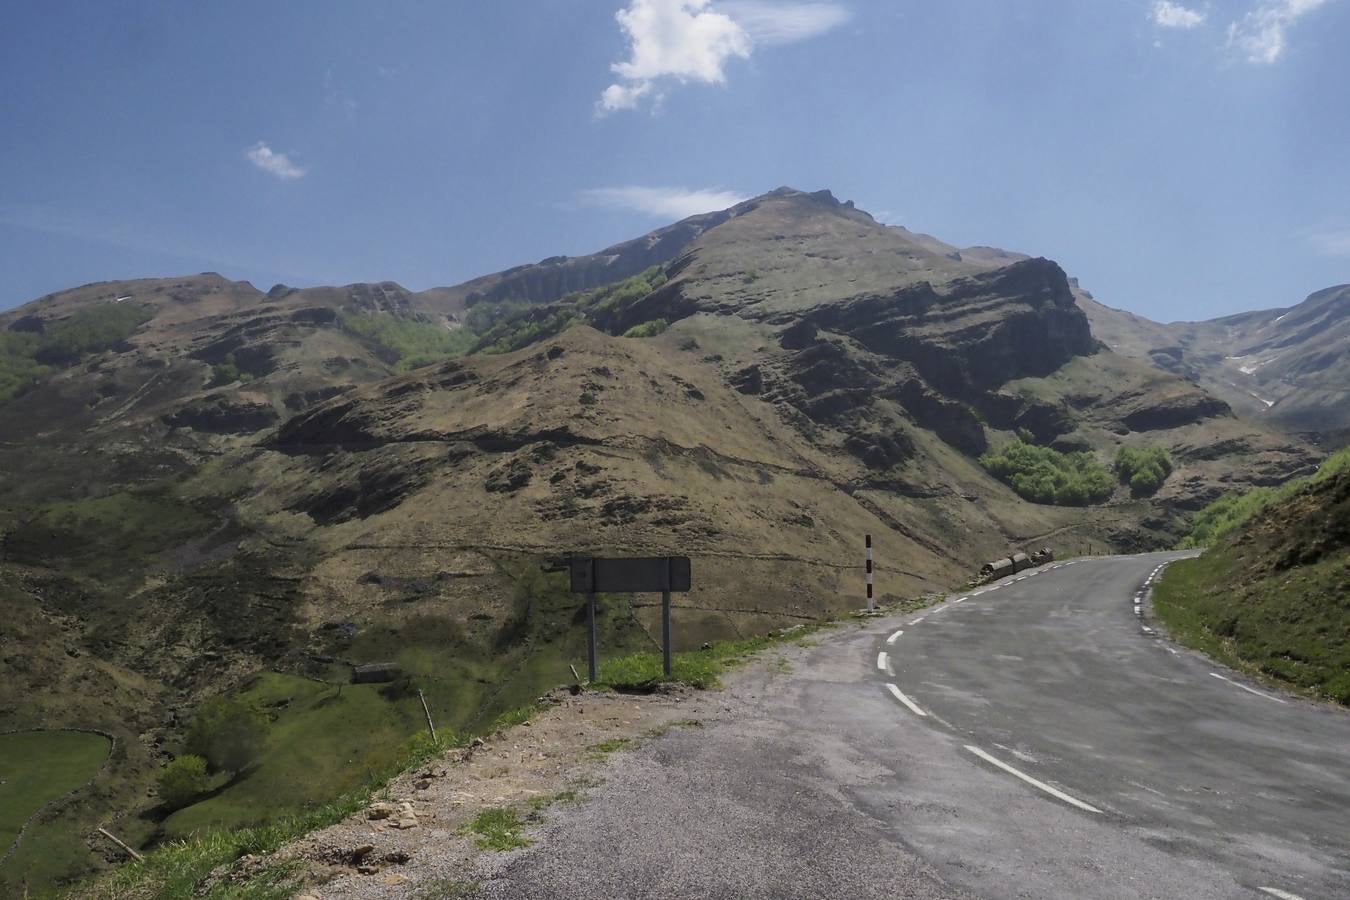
895	637
918	620
1245	688
1276	892
1053	792
900	695
881	660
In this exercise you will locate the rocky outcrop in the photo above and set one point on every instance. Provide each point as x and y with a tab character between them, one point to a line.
225	414
976	333
1171	412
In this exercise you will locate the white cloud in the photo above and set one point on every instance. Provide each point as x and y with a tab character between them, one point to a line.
273	163
1260	35
1331	243
1166	14
784	23
663	202
693	40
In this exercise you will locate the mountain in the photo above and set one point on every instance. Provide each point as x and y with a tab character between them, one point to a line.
206	488
1286	367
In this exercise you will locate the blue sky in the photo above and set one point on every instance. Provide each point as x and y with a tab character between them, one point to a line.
1184	160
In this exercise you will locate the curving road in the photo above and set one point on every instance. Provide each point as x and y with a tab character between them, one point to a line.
1059	676
1029	740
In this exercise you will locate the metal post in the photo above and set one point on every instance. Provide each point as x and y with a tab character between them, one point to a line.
666	621
869	573
590	634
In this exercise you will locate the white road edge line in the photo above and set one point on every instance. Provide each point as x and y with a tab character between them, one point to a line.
1245	688
1276	892
1053	792
895	637
881	660
900	695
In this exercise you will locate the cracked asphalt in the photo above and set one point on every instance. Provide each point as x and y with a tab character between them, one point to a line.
1110	764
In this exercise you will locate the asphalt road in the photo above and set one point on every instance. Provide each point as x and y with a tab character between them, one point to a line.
1028	740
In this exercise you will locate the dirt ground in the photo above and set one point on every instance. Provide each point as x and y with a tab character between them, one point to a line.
412	840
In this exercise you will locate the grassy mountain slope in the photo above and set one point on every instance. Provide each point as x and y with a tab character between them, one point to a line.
1273	594
247	492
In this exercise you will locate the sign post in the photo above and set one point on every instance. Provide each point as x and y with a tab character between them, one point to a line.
592	575
665	622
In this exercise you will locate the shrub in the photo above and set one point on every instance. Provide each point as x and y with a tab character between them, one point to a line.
1144	470
1044	475
647	329
228	733
182	781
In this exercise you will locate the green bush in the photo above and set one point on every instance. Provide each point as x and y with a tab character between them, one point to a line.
647	329
182	781
228	733
1044	475
91	330
25	357
1144	470
18	369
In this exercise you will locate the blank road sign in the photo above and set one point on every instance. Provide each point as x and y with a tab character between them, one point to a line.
639	575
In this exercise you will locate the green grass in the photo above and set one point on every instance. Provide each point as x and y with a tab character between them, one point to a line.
322	743
562	798
1292	627
604	748
406	342
176	870
1231	511
110	537
37	767
497	828
698	668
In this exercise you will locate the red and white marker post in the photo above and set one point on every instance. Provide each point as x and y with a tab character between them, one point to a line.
869	573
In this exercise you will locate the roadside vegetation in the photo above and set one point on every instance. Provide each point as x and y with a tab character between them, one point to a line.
1270	595
27	357
1232	510
1045	475
179	868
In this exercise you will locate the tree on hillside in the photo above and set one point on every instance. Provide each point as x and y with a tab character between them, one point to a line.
182	781
228	733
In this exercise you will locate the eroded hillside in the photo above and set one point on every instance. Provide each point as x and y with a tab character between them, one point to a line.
232	482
